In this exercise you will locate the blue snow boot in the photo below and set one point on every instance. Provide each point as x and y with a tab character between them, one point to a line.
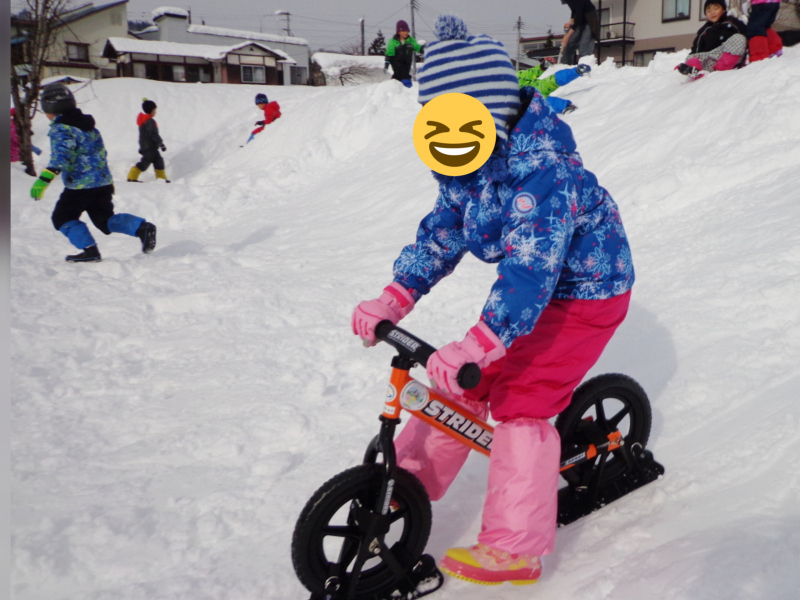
89	254
147	233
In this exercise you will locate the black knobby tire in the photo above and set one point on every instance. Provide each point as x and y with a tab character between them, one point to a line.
325	527
612	401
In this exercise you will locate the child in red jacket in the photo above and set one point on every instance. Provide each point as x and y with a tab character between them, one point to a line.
271	110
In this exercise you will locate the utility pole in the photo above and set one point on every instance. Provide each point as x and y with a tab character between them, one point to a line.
519	27
414	35
361	20
287	14
624	29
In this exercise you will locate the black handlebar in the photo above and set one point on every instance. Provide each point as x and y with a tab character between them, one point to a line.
469	376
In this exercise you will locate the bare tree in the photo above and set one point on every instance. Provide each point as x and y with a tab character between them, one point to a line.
351	73
37	22
352	48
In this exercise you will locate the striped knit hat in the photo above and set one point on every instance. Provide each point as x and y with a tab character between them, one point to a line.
475	65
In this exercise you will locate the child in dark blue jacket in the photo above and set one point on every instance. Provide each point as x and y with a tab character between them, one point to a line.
78	153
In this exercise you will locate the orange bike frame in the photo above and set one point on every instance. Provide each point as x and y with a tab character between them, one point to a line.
408	394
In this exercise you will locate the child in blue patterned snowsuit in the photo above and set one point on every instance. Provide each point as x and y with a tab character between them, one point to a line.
78	153
564	275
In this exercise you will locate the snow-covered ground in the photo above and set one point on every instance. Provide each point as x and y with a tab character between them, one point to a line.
173	412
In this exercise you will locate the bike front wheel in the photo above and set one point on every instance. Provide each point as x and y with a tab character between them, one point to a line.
331	530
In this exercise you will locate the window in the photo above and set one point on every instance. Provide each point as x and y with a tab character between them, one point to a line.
299	75
139	70
178	73
642	59
253	74
78	52
675	10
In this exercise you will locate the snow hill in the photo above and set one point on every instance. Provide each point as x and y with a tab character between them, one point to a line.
173	412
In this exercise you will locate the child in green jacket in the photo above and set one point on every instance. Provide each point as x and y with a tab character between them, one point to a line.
400	54
548	85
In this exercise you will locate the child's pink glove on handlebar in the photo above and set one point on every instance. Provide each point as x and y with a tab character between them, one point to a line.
481	346
394	303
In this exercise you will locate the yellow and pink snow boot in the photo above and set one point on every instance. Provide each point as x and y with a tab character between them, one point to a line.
488	566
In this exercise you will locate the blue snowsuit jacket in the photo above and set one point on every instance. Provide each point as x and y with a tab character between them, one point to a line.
535	211
77	148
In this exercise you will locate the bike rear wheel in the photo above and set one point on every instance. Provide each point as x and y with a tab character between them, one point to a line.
332	528
600	406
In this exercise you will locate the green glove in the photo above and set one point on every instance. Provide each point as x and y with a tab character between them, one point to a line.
40	185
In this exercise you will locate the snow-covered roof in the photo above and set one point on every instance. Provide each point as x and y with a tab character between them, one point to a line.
64	79
327	60
248	35
207	51
173	11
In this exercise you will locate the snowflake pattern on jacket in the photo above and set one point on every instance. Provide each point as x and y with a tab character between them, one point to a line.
535	211
80	154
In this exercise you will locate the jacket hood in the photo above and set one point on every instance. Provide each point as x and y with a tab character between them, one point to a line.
142	119
76	118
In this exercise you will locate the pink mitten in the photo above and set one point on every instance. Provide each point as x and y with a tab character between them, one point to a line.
394	303
480	346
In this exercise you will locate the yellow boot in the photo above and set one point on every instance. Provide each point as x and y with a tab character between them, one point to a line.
133	174
162	174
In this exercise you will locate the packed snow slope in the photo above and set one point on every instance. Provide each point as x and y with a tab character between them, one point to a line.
173	412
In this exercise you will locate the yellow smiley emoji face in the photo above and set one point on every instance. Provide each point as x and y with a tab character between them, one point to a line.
454	134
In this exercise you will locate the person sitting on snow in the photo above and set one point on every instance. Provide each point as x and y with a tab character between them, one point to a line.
548	85
720	44
272	111
149	143
78	153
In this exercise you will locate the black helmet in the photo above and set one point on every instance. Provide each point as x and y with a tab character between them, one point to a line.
56	99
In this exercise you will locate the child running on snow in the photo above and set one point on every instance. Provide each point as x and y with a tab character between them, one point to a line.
149	144
720	44
564	278
78	153
548	85
272	111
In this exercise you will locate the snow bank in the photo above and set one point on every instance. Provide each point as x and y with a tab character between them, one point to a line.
173	412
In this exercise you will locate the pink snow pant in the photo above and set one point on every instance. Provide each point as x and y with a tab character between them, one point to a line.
531	384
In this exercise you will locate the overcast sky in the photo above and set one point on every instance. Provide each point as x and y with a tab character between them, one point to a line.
330	24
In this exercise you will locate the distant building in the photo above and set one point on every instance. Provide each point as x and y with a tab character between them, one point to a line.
80	39
175	25
633	32
245	62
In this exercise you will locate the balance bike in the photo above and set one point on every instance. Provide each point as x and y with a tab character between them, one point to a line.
362	534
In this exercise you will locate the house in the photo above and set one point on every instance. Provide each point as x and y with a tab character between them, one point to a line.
175	25
245	62
79	41
631	32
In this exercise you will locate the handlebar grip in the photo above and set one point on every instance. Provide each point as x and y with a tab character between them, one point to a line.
469	376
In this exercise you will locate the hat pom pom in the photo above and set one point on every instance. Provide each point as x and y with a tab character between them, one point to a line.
450	27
